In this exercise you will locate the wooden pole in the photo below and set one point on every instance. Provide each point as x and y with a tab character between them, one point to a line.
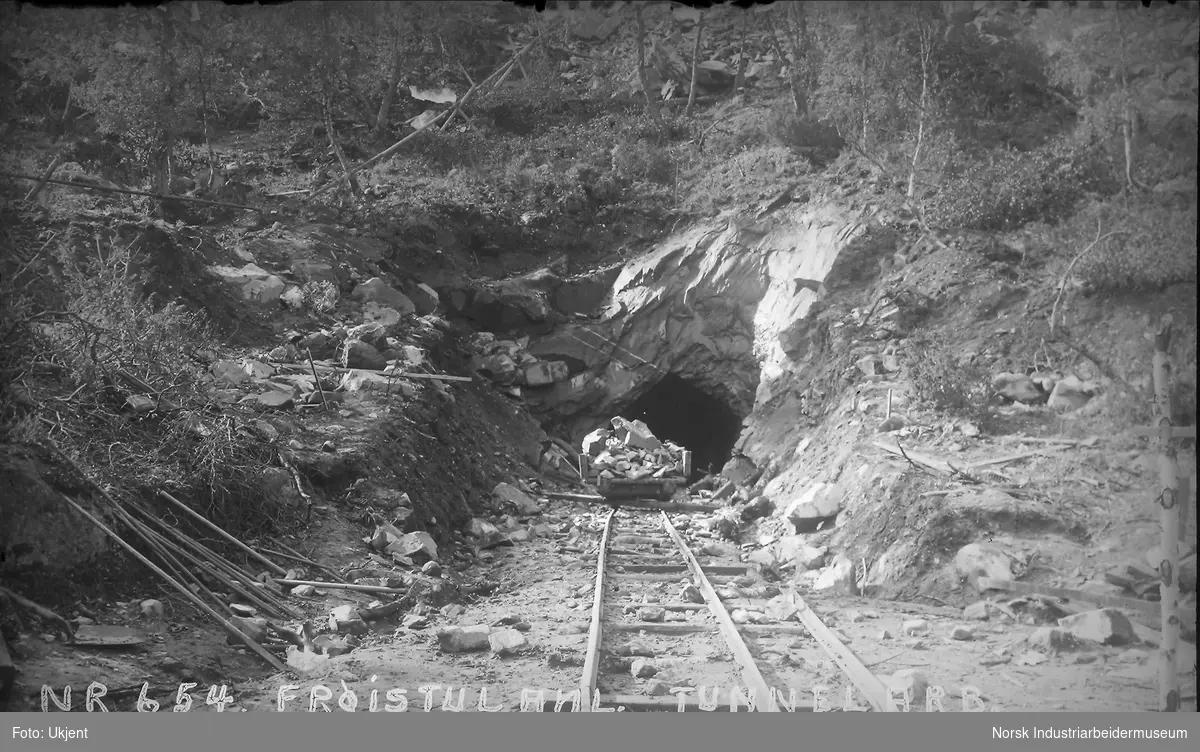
1168	567
204	521
343	586
195	599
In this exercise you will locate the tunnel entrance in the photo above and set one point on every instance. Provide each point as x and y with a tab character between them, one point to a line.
677	410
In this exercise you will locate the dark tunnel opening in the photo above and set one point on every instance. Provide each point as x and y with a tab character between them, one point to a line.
677	410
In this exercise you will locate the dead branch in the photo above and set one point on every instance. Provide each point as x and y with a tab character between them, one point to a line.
41	183
1062	283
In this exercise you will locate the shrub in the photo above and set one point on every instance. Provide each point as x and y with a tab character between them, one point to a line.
1003	191
1156	248
816	140
642	161
941	381
104	341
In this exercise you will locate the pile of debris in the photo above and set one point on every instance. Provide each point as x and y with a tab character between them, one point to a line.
630	450
507	364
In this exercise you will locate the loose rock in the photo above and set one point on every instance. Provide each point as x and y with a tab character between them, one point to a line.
464	639
506	642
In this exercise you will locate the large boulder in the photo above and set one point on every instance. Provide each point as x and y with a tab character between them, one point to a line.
819	501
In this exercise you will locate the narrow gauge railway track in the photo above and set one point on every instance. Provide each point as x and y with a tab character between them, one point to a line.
650	550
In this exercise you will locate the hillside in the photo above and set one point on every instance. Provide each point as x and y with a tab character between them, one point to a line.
357	284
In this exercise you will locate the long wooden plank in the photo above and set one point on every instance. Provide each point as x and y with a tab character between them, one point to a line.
664	568
876	693
1148	607
750	673
591	663
679	628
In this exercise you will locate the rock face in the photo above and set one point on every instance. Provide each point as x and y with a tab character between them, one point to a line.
715	305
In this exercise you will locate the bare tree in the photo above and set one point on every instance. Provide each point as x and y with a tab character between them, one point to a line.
695	66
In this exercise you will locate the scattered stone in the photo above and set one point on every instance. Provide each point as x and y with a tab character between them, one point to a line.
634	649
359	354
1016	388
546	372
240	609
909	681
305	662
793	548
1106	626
820	500
464	639
838	577
415	621
963	634
913	627
885	634
432	568
152	609
658	689
780	609
651	613
334	645
643	669
451	610
346	619
418	546
508	494
756	509
979	611
382	316
1069	394
596	441
506	642
976	560
377	291
254	628
483	530
894	423
690	594
1054	638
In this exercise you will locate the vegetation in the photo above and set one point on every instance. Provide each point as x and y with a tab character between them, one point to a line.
573	130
